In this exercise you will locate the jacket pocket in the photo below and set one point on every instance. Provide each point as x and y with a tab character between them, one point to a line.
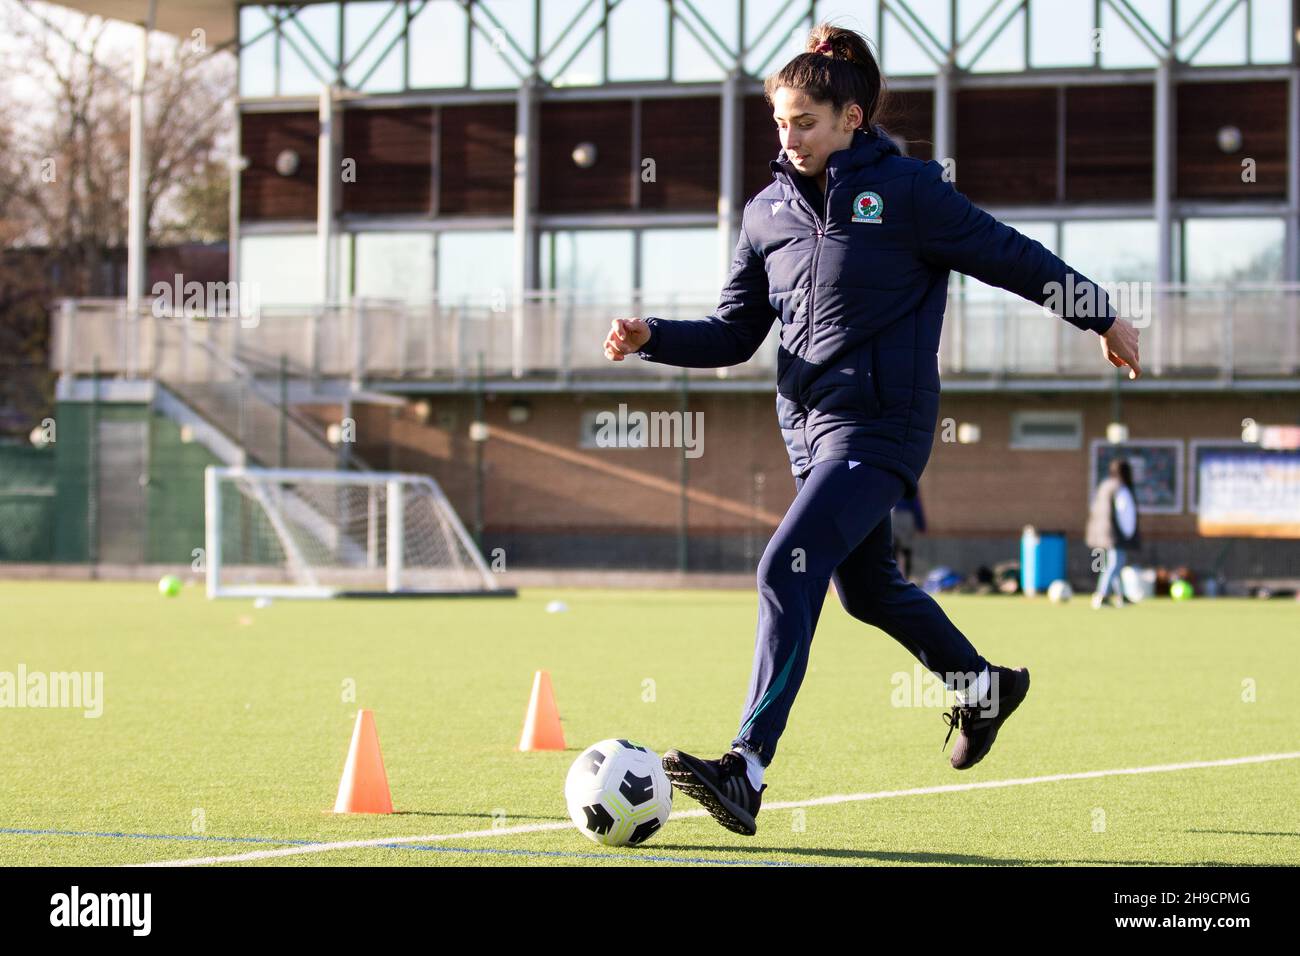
869	378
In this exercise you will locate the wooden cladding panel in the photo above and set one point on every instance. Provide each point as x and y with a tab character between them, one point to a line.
1259	110
264	193
682	136
477	156
1006	145
393	152
1109	139
606	185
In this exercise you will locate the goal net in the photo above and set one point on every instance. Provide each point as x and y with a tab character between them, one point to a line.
278	532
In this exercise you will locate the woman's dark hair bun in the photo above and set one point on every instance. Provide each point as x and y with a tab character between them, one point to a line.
839	68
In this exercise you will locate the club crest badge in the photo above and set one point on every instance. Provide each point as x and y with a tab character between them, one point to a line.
868	207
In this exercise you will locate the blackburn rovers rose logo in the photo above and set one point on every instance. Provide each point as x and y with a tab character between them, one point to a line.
868	207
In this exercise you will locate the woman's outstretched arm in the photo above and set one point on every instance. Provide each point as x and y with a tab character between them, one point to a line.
954	233
728	337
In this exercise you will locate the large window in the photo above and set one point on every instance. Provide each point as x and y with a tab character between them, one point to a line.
701	48
490	44
1233	250
1113	250
374	45
438	33
681	265
394	265
257	55
638	40
286	269
596	263
677	266
309	49
475	266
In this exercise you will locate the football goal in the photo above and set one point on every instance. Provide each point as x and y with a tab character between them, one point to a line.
276	532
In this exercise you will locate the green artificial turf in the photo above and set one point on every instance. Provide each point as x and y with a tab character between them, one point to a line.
225	721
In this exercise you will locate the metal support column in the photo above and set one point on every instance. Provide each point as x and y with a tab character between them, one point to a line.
1291	268
525	225
729	181
326	191
1164	171
1164	159
237	165
137	226
944	142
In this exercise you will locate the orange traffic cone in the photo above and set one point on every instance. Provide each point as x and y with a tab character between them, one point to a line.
542	729
364	787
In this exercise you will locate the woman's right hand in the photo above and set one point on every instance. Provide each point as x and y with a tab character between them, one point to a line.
625	338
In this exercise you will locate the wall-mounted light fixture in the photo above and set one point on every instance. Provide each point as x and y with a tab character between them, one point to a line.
286	164
1229	138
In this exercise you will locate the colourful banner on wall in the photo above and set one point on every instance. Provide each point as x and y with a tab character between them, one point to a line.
1250	493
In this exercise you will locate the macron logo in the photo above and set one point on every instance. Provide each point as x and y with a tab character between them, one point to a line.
854	464
102	909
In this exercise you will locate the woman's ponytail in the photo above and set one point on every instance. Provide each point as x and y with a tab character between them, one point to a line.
838	68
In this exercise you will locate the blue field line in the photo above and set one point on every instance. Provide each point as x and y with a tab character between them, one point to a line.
12	831
424	848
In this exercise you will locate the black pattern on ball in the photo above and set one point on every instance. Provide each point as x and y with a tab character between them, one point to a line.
595	759
636	789
643	832
598	819
631	746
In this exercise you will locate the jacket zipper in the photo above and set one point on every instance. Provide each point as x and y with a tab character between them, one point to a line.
817	248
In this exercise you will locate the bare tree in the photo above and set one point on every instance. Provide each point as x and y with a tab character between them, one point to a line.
64	151
66	164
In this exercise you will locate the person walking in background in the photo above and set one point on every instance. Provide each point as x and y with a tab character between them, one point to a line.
1112	526
908	520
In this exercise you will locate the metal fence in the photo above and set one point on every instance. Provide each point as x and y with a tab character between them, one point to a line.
1217	332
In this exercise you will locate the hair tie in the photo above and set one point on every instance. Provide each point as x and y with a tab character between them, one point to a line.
823	47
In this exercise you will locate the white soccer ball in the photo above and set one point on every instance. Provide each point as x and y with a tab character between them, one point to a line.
1059	591
618	793
1130	579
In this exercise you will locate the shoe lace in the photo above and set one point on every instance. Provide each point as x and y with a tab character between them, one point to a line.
732	763
959	716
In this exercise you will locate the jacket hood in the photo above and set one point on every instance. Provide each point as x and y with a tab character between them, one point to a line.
866	149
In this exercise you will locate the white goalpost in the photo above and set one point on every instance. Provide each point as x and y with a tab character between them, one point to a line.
280	532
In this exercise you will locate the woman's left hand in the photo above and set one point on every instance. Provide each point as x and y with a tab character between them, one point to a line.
1119	346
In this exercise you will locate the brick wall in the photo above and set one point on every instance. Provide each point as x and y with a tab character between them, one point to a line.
549	501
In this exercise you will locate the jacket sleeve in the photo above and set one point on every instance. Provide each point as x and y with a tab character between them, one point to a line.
954	233
735	330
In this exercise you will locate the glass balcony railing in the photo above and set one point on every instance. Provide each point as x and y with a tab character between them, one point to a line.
1224	332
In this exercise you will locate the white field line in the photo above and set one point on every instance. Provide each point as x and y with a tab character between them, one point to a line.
686	814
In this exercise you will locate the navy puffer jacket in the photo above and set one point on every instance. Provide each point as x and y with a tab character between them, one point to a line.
860	288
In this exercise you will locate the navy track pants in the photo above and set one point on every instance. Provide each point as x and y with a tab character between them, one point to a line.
838	528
